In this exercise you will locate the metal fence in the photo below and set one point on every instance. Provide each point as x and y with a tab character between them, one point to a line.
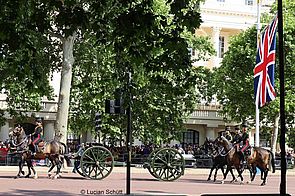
137	160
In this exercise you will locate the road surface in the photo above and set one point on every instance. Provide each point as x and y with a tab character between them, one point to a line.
192	183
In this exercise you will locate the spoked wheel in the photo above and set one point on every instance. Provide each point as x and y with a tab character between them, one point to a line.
149	161
97	162
79	171
167	164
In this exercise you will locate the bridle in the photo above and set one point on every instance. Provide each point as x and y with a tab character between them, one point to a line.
16	135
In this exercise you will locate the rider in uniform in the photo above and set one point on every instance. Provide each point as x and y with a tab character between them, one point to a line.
228	135
244	139
36	136
237	135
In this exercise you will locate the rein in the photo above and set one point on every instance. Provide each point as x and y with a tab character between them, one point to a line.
220	152
16	145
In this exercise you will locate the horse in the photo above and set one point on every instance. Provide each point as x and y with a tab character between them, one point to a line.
219	161
53	150
260	158
233	158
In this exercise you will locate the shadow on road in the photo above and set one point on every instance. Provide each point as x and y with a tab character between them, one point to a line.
144	179
38	192
45	177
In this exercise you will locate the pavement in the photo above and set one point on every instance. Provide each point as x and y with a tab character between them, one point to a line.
193	171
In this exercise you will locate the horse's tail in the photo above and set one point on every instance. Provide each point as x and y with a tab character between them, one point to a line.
272	159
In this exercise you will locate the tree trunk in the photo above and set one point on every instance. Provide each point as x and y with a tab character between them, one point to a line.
275	134
61	123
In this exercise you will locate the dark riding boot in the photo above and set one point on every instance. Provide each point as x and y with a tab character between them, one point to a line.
242	159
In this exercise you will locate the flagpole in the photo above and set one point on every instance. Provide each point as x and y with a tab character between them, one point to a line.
257	101
282	100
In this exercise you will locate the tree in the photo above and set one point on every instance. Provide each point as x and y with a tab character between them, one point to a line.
163	79
234	79
144	37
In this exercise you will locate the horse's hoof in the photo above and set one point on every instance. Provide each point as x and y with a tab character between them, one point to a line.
16	177
248	182
27	176
222	182
262	184
208	179
35	176
241	182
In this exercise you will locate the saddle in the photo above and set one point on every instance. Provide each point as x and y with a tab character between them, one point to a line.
40	146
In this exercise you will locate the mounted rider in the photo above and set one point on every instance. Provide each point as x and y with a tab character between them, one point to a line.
227	134
244	140
237	135
36	136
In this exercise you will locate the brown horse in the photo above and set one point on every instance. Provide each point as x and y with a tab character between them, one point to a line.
54	151
233	158
260	158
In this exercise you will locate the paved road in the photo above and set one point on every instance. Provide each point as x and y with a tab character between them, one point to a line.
192	183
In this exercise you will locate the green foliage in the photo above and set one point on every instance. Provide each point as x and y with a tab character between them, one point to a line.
234	79
151	43
148	38
25	57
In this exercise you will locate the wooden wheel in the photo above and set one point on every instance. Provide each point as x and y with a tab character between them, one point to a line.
149	161
97	162
167	164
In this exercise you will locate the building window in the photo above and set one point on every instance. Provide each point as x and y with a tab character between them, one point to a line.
249	2
190	137
221	47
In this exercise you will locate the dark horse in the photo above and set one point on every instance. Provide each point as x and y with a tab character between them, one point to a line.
260	158
232	156
219	161
53	150
218	157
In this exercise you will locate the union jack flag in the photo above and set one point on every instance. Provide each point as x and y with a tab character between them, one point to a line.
264	70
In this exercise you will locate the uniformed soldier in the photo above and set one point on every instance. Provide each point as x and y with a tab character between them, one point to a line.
36	136
244	139
228	135
237	134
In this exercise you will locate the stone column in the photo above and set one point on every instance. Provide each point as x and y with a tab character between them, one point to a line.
4	132
49	131
215	37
